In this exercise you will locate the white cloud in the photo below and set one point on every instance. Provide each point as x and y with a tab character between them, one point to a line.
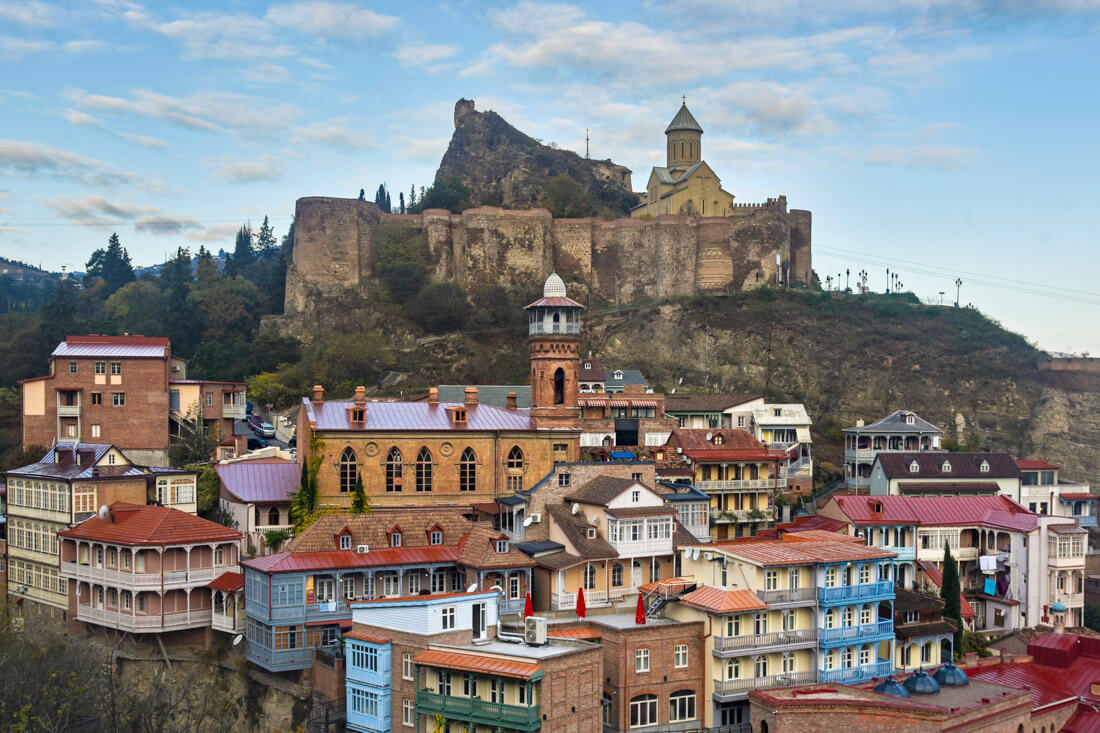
30	13
424	55
17	47
942	157
96	210
83	46
20	158
335	133
76	117
83	119
165	224
335	21
315	63
225	231
145	141
265	168
768	108
207	35
903	64
267	74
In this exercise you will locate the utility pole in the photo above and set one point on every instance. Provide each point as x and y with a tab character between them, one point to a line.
958	290
847	278
887	280
586	143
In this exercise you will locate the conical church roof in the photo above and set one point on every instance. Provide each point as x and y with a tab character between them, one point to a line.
683	121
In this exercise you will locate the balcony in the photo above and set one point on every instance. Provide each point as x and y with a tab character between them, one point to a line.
1058	560
592	598
233	410
540	329
1070	599
139	581
643	547
140	623
722	516
881	668
789	597
724	690
279	660
905	554
68	410
226	623
726	646
857	634
879	590
512	605
334	610
1086	520
741	484
514	717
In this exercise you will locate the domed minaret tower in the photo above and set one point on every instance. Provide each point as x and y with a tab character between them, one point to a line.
554	330
684	138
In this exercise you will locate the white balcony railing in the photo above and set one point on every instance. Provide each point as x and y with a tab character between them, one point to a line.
735	687
138	622
759	641
643	547
539	328
224	622
782	596
592	598
742	484
140	581
1070	599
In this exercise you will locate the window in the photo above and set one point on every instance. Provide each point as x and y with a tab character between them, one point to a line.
515	483
635	496
984	468
118	399
408	712
467	471
469	686
617	575
831	577
209	399
496	691
407	666
439	582
116	367
219	555
849	616
724	574
865	616
444	687
448	618
914	467
789	619
847	658
349	470
395	539
436	537
771	579
272	516
760	666
97	398
345	542
96	430
589	577
515	459
363	702
326	590
561	447
563	479
393	470
641	660
911	617
100	367
680	656
83	499
513	586
740	421
643	711
864	655
424	470
865	573
926	653
760	623
523	700
946	467
72	367
502	546
681	706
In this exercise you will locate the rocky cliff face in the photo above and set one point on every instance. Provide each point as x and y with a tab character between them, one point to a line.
501	166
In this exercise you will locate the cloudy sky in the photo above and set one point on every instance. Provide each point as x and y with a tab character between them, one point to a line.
942	139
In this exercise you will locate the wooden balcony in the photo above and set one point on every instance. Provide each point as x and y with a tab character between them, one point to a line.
139	581
143	623
741	484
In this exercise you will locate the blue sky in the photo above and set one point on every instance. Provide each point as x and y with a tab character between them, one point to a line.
943	139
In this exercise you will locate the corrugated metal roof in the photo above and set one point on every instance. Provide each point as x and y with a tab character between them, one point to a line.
554	301
930	464
716	600
488	394
1047	684
252	482
137	524
895	422
227	582
287	562
1025	464
384	416
790	551
133	347
939	511
495	666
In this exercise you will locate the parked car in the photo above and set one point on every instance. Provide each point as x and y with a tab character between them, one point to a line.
256	443
253	421
267	430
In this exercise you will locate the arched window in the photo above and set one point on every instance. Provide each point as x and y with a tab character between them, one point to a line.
424	470
273	516
515	458
617	574
607	444
467	471
760	666
733	668
256	518
393	470
559	386
589	577
643	710
681	706
763	726
349	469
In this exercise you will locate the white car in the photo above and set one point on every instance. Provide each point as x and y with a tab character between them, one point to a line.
267	430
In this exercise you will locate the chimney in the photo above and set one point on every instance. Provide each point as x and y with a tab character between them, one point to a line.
511	401
471	395
360	395
433	396
318	393
859	423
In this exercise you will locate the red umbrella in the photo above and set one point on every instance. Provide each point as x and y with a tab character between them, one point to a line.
581	608
528	607
639	614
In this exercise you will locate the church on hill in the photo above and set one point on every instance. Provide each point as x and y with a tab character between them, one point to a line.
686	185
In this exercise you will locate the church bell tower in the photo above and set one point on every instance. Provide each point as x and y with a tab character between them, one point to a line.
684	136
554	330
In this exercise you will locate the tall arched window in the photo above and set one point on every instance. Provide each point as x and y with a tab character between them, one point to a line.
424	470
349	469
467	471
393	470
559	386
515	458
681	706
733	668
273	516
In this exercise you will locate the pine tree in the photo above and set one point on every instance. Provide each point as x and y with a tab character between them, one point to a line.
382	198
112	265
265	239
412	197
359	503
179	316
401	199
237	263
951	592
206	269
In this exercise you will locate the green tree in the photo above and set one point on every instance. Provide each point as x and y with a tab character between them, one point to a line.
275	538
137	307
382	198
401	201
449	193
239	262
440	307
179	318
112	265
565	198
206	268
951	592
226	307
359	502
209	489
196	441
304	507
265	239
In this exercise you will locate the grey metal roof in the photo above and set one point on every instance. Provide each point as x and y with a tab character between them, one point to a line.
895	423
333	415
630	376
109	350
57	464
488	394
255	482
510	500
673	491
533	548
684	120
666	175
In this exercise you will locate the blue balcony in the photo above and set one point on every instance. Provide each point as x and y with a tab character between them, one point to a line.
878	591
904	553
368	709
279	660
1086	520
368	664
858	634
861	673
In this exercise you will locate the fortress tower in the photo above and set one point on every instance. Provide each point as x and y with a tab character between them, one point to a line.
554	329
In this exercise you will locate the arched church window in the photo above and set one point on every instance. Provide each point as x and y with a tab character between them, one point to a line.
393	470
349	469
424	470
559	386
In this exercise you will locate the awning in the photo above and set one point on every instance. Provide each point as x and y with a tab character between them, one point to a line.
622	455
803	435
489	507
620	403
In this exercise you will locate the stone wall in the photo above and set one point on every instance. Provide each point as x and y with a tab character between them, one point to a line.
622	261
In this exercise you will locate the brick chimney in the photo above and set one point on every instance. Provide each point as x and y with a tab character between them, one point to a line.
511	401
360	395
471	395
433	396
318	393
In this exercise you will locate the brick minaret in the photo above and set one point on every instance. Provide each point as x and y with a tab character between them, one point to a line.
554	329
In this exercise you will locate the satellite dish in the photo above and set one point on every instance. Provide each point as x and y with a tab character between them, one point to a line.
575	508
238	639
710	435
527	521
695	553
680	380
472	588
103	512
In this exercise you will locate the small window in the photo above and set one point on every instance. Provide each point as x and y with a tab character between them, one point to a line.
395	539
946	467
641	660
564	479
118	399
358	415
502	546
97	398
345	542
719	440
110	459
680	656
448	618
635	477
910	420
209	399
460	415
116	367
740	421
984	468
436	537
778	412
72	367
407	666
911	617
408	712
561	447
591	533
95	430
101	367
914	467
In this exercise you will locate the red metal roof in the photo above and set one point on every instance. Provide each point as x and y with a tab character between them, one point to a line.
790	550
1079	496
227	582
285	561
137	524
425	597
736	454
815	521
716	600
494	666
364	636
1047	684
930	511
554	301
1028	464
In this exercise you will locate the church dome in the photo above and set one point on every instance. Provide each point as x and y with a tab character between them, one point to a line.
891	686
554	287
1058	607
951	676
684	120
920	683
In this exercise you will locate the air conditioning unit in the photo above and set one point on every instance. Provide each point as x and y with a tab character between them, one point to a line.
534	631
362	549
708	555
535	518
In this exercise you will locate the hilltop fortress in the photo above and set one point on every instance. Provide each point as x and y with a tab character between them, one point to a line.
623	260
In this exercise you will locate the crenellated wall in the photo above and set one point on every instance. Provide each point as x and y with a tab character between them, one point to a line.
622	260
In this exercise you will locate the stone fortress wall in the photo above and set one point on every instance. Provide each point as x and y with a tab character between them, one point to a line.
623	260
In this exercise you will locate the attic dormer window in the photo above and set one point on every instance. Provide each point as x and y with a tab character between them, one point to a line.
459	416
395	539
110	459
914	467
910	420
778	412
436	537
719	440
588	365
877	507
502	546
984	468
946	467
618	375
591	533
358	415
345	542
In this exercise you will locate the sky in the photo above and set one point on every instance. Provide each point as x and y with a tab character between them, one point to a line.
943	140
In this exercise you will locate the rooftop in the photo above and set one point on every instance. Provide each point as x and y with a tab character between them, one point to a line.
791	550
555	648
897	422
930	464
1035	465
998	512
84	461
389	416
714	439
684	120
949	700
682	402
625	621
601	490
488	394
789	414
716	600
132	347
253	482
139	524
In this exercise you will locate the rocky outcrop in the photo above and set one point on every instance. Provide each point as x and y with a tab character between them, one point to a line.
501	166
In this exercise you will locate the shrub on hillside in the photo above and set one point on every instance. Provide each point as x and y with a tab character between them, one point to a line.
440	307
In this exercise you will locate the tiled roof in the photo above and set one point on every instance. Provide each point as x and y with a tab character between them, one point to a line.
558	560
252	482
998	512
948	487
1079	497
895	423
600	490
227	582
716	600
364	636
911	600
725	454
963	465
488	394
478	549
389	416
681	537
554	301
575	528
696	439
494	666
706	402
1025	464
138	524
132	347
373	529
593	374
790	551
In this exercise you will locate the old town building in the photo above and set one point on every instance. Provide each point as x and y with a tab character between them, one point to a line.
946	474
257	495
899	432
711	411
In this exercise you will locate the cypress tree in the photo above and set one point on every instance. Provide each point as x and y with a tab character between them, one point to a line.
359	504
951	592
